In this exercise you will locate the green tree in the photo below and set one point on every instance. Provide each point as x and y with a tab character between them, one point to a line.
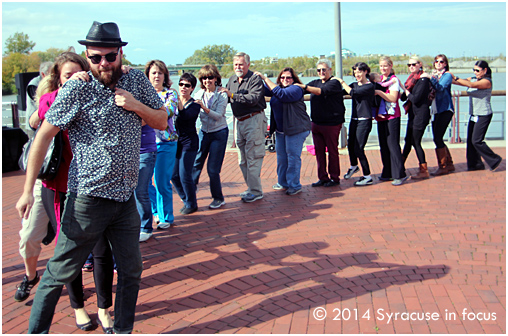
214	54
18	43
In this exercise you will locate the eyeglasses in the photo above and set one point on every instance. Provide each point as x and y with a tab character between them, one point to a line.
187	85
412	64
477	70
96	59
439	61
286	77
207	77
321	70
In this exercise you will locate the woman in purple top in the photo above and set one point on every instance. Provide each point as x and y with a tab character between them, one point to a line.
291	124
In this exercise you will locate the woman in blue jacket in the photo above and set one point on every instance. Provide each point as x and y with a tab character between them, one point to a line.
291	124
442	110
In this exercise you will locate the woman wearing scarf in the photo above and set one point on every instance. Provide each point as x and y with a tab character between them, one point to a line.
388	128
442	110
416	95
479	91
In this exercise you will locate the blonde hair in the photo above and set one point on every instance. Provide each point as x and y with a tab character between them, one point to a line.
386	59
43	88
417	59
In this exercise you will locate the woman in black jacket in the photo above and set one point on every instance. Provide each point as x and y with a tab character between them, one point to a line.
416	95
362	95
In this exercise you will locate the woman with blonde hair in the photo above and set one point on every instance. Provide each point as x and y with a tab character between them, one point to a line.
388	128
416	96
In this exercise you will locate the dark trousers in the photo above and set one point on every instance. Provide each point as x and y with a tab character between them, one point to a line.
85	220
389	143
327	137
414	139
476	146
182	178
358	135
103	262
439	126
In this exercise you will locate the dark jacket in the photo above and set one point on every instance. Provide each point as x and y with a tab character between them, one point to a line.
419	112
327	109
294	114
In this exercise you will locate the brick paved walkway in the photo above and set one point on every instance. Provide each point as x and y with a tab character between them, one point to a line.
435	246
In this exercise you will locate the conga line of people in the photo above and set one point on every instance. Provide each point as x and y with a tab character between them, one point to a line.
163	145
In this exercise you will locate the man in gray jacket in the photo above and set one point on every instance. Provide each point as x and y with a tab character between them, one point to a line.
246	94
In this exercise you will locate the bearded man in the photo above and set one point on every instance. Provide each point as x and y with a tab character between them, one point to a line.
103	117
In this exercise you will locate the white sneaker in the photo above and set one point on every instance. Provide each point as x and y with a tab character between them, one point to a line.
277	187
163	226
245	193
144	236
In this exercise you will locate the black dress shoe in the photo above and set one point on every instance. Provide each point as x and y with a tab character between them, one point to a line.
319	183
86	326
188	211
108	330
332	183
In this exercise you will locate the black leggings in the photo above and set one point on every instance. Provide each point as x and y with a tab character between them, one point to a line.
358	135
439	126
414	138
103	261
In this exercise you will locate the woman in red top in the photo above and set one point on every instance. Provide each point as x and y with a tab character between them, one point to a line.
69	65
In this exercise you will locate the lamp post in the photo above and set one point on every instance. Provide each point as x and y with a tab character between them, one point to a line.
338	42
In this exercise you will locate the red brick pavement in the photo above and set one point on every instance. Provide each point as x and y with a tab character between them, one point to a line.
360	253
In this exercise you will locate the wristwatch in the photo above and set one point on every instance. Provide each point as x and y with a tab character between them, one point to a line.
456	78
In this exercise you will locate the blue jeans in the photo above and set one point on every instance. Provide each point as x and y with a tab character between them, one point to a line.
161	195
289	162
182	178
85	220
212	145
146	167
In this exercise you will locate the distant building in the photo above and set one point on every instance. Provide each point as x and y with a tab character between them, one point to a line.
270	60
346	53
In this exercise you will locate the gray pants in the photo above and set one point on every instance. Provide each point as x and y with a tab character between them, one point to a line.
250	139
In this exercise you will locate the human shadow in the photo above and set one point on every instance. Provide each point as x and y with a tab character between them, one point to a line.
308	279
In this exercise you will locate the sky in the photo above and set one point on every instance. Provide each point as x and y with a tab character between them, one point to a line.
172	31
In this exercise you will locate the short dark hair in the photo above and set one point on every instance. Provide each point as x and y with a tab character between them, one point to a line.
293	74
447	67
56	69
189	78
484	65
162	66
209	70
362	67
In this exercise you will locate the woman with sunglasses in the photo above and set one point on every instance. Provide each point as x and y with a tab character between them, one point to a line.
213	136
188	143
161	196
442	110
69	65
388	128
362	96
416	97
480	110
291	124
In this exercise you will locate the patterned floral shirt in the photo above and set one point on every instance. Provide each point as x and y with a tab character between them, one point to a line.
105	138
170	99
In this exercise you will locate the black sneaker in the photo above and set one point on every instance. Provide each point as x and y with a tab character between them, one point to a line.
216	203
320	183
332	183
24	288
351	172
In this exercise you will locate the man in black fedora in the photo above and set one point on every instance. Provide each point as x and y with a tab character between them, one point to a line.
103	117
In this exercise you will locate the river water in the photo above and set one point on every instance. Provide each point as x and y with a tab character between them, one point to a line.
496	128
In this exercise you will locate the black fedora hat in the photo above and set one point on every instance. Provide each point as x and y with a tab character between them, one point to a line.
103	35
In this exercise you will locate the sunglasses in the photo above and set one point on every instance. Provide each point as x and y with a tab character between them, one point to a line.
286	77
187	85
321	70
412	64
477	70
207	77
439	61
96	59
